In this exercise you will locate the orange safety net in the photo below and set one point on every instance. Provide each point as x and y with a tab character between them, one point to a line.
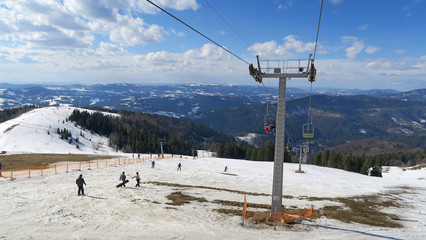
283	217
70	166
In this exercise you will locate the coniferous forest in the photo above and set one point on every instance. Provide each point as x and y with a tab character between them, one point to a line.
142	133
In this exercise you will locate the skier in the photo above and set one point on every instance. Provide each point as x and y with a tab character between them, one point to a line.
153	164
80	181
179	167
138	179
226	168
123	178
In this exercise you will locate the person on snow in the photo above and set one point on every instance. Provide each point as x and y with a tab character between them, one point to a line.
226	168
123	178
153	164
179	167
138	179
80	181
0	170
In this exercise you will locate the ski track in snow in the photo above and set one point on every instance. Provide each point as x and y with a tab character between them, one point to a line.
47	207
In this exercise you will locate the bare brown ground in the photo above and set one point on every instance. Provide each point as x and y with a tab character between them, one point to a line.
364	209
19	161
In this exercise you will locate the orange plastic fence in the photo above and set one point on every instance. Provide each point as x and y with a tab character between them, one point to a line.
278	218
71	166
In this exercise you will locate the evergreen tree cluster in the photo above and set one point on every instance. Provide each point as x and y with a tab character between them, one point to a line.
10	113
142	133
95	121
244	151
362	164
64	134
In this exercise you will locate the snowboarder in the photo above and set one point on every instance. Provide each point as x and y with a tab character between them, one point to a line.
153	164
138	179
123	178
226	168
80	181
179	167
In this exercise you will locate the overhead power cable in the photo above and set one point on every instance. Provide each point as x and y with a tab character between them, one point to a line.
217	44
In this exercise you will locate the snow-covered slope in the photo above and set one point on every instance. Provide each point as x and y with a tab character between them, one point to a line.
47	207
36	132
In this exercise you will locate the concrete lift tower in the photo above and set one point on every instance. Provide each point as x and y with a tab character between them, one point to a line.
283	70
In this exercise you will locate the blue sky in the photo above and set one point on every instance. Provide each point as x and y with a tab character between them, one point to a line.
362	44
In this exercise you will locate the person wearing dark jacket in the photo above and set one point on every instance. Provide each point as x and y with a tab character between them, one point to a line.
123	178
80	181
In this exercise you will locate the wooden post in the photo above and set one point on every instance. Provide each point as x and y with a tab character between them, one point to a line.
89	165
67	167
42	172
29	172
11	175
55	169
80	167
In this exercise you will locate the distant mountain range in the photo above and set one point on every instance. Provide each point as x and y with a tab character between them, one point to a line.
182	100
340	115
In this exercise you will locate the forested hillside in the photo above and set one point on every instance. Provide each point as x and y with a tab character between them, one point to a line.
142	133
337	120
11	113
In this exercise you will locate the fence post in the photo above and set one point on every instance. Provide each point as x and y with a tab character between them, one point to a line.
67	167
42	172
29	172
55	169
97	163
80	167
89	165
11	175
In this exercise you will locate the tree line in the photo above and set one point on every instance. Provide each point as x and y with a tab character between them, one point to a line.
342	160
238	150
142	133
362	164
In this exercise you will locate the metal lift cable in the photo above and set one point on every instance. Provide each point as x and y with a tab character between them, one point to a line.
319	23
315	52
217	44
229	25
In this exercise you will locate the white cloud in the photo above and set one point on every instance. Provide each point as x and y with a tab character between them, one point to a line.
355	49
296	45
268	49
290	45
179	4
132	31
108	49
371	49
400	51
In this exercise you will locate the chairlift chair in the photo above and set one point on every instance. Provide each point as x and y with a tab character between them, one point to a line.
308	130
269	121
